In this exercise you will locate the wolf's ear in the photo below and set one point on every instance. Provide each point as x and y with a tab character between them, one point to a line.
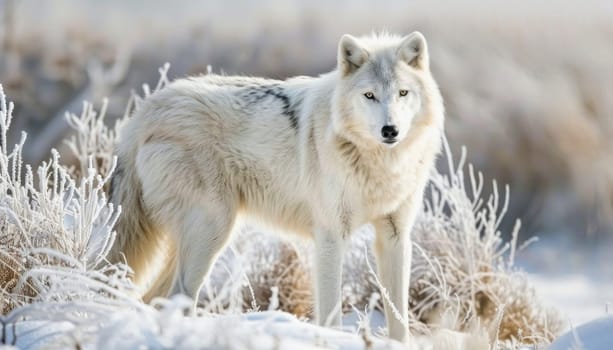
414	51
351	55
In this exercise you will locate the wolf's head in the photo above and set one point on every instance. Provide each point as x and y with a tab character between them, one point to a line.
384	82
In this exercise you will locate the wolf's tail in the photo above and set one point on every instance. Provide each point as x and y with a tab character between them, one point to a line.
139	242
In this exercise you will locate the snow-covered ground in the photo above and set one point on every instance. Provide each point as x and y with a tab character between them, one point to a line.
579	298
593	335
575	277
261	330
170	329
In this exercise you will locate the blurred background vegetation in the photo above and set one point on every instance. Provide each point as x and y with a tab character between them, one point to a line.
527	85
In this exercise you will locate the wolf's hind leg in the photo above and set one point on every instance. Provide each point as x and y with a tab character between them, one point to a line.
204	233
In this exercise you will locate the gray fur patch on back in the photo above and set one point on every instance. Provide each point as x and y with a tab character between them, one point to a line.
255	94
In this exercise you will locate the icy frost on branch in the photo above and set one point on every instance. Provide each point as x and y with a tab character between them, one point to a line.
54	230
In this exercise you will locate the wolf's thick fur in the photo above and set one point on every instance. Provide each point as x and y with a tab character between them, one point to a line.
308	155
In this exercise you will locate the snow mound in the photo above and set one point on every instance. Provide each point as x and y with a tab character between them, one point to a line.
594	335
166	326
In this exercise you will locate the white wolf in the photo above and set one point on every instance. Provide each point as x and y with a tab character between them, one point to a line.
320	156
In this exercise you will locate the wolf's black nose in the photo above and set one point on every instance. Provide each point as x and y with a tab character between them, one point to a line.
389	131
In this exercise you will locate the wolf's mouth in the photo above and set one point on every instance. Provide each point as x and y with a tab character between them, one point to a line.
390	141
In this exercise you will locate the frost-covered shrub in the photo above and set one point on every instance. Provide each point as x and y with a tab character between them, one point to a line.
55	230
463	267
260	271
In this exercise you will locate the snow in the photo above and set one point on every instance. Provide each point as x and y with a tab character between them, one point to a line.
572	287
576	277
580	299
166	326
594	335
571	274
35	334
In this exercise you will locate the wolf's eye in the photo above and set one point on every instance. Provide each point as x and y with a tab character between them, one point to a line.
369	95
403	92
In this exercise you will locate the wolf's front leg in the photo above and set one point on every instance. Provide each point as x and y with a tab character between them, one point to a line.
393	253
328	271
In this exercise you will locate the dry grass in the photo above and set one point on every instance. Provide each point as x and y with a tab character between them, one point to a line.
279	279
